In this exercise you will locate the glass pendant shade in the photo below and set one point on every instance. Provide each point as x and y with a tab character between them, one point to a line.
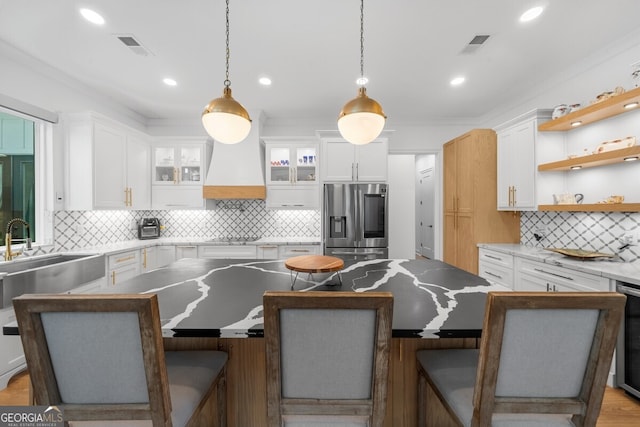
226	120
361	119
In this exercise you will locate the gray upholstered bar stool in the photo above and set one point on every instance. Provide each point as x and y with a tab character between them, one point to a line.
100	359
327	357
543	361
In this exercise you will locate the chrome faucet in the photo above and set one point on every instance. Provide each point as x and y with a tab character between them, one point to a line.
8	254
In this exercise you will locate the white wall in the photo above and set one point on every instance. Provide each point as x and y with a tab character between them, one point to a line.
401	179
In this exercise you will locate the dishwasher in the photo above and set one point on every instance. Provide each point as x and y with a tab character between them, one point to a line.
628	349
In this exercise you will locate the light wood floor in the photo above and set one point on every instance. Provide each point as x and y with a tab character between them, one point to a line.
618	409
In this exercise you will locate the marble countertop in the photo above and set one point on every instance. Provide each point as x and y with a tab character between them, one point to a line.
223	298
616	270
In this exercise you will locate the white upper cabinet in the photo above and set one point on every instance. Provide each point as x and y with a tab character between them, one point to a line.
345	162
178	173
291	163
178	164
291	166
108	165
519	145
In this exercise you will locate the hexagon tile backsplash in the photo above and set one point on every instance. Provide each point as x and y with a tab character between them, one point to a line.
250	218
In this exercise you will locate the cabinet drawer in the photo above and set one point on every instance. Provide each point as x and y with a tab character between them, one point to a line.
563	277
234	251
267	251
497	258
498	274
123	258
288	251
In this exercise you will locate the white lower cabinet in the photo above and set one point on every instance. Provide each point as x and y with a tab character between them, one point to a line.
186	251
166	254
267	252
227	251
496	267
11	355
538	276
123	266
148	259
288	251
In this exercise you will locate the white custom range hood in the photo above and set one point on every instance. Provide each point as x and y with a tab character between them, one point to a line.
236	171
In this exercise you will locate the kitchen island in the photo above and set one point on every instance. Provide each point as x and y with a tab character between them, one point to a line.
215	303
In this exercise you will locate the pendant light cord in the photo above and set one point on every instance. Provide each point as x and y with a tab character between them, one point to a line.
361	40
227	82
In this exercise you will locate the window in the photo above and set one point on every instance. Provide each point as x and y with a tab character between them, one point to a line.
17	174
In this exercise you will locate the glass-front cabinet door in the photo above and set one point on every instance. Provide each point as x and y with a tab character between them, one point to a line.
292	164
177	165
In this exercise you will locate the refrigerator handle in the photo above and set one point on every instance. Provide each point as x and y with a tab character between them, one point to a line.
359	214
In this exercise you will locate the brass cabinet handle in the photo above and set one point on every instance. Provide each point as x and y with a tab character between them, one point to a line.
515	201
113	277
144	258
175	175
125	258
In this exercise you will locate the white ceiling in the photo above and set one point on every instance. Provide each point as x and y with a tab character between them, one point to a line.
311	51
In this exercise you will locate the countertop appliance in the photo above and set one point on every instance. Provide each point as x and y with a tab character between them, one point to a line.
148	228
628	349
355	221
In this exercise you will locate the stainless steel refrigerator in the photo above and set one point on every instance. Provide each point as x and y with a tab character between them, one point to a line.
355	221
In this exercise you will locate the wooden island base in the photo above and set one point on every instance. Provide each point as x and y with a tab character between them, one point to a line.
246	379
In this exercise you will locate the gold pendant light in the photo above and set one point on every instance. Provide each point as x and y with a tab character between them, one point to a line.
361	119
224	118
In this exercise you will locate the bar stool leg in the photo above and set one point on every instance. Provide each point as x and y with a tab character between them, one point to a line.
293	278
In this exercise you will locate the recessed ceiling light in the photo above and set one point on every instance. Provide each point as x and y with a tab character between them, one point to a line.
169	81
457	81
631	105
574	124
361	81
531	14
264	81
631	159
575	168
92	16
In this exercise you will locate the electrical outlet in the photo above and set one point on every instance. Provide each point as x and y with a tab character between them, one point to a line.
541	231
627	239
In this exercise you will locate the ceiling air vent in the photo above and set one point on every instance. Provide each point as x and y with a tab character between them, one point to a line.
133	44
475	44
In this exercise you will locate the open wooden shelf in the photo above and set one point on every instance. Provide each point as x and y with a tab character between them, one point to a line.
592	160
593	207
594	112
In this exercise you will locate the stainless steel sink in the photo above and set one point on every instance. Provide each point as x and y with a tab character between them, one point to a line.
54	273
